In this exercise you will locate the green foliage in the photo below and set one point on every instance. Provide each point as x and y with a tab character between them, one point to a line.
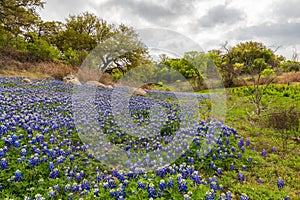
173	70
70	56
255	57
290	66
19	15
268	72
42	49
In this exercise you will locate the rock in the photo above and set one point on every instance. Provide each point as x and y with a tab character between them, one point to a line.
93	83
98	84
139	92
109	87
68	77
27	81
71	79
74	82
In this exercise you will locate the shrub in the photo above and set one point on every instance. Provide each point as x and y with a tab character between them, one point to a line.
285	121
290	66
43	50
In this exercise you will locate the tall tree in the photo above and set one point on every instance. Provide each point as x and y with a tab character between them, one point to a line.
49	30
83	32
123	50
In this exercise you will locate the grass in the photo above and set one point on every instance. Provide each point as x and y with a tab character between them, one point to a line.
284	163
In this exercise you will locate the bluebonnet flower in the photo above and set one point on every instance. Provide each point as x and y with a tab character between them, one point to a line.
248	143
51	192
84	192
51	166
96	192
210	195
244	197
162	184
250	159
214	186
228	195
231	166
221	187
259	180
222	197
233	149
241	143
56	187
78	176
264	153
70	196
241	177
54	174
67	187
18	175
286	198
227	141
2	153
151	191
196	178
141	185
4	164
85	185
75	187
39	197
182	186
170	182
273	150
5	149
186	197
112	183
214	157
239	155
71	157
34	161
98	177
280	183
120	198
219	171
243	149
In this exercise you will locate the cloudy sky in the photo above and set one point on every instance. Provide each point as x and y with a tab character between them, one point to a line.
209	23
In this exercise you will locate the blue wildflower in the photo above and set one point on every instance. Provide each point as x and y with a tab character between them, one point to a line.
280	183
241	177
18	175
162	184
4	164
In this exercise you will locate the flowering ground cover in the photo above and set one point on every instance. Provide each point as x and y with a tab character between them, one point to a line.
43	156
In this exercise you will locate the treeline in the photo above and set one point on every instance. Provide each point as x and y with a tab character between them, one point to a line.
70	42
248	59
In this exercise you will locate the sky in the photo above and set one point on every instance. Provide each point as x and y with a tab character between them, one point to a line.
276	23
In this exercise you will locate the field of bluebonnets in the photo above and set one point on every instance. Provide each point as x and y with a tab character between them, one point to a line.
42	156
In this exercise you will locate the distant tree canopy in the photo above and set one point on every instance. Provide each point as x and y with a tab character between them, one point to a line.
70	42
119	47
192	67
250	58
290	66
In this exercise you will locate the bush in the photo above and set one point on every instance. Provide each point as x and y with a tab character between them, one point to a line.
43	50
290	66
285	121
